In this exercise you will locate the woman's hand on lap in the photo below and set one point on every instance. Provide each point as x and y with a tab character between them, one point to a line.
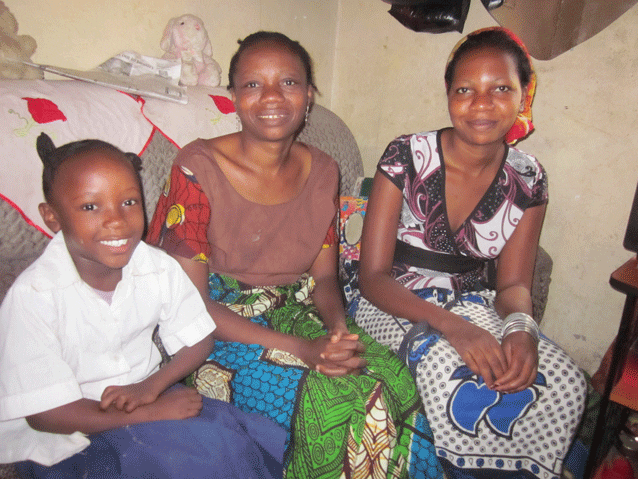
338	333
341	331
521	352
342	348
480	351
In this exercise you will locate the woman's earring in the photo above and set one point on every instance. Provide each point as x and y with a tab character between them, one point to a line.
307	113
521	108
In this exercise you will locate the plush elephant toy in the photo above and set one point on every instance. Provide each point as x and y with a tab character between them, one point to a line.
186	39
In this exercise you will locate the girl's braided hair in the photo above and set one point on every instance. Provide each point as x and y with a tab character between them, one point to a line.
52	157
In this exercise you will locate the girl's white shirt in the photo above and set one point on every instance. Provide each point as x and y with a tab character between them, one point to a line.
60	342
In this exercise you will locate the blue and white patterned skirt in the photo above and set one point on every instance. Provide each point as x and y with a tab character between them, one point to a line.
477	431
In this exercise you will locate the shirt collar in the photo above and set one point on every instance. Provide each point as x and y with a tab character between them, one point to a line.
58	269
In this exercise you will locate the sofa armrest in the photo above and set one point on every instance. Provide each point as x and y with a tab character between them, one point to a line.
329	133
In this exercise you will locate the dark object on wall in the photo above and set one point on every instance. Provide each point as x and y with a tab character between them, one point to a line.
430	16
631	234
551	27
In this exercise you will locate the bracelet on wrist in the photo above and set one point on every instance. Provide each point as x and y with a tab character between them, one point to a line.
516	322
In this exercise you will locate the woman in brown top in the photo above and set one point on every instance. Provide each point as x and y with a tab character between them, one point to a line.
251	216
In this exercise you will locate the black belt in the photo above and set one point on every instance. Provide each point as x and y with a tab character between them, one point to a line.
445	263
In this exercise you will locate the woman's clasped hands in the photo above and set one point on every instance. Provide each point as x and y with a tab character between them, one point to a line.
337	353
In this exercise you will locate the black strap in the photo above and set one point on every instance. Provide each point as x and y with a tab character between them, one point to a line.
445	263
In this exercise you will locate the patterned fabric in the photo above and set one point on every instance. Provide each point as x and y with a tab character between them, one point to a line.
479	433
182	201
415	165
349	205
331	237
350	247
523	125
363	426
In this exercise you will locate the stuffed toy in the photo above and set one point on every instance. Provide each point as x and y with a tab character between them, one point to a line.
186	38
13	48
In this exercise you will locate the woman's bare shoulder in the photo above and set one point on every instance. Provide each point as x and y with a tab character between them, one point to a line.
226	145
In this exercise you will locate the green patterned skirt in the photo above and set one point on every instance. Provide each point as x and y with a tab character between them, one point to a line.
370	425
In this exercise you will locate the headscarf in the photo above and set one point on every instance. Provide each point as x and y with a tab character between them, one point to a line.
523	124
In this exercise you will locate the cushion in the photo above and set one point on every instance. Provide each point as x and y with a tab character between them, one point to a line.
69	110
209	113
351	214
62	111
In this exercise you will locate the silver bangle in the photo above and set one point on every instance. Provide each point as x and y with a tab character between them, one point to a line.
515	322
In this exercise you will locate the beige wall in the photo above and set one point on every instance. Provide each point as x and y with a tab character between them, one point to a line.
81	34
385	80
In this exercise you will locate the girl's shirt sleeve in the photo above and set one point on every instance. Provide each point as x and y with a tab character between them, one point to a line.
182	216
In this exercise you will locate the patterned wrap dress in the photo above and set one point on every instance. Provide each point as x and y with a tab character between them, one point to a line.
477	432
370	425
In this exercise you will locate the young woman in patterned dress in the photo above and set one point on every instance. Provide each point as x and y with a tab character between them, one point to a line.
502	400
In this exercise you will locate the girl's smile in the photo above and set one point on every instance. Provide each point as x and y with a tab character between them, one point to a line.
98	207
115	243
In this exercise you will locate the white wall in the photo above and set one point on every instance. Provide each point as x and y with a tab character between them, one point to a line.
385	80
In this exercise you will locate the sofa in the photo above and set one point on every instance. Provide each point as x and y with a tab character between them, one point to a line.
70	110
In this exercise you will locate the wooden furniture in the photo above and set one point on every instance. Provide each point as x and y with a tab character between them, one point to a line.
618	389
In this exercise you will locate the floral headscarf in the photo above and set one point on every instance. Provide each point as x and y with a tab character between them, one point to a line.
523	125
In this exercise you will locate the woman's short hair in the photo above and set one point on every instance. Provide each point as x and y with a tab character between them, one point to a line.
279	39
498	39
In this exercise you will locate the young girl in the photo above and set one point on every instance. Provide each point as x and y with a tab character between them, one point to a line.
502	400
81	392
